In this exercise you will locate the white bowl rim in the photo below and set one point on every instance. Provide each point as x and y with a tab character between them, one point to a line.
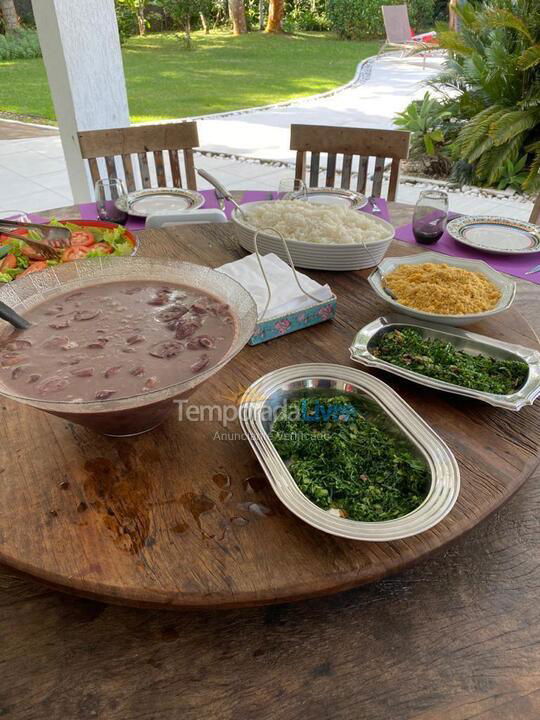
308	245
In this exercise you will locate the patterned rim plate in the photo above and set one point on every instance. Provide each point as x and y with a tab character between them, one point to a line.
159	200
496	234
333	196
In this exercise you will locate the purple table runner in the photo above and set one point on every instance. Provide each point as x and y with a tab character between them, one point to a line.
516	265
88	210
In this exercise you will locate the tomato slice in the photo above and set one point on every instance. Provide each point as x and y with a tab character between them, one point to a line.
19	231
82	238
34	267
75	253
103	246
9	262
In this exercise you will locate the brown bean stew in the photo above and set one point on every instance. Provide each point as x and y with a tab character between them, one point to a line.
116	340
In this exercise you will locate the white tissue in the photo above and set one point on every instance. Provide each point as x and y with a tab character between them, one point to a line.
286	295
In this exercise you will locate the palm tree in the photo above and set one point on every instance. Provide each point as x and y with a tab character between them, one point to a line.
9	13
276	10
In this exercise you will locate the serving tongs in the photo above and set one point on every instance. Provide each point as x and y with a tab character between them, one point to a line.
46	251
52	237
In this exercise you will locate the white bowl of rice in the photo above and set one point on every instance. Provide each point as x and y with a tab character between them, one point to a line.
319	237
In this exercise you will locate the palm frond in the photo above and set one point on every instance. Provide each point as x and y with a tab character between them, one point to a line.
529	58
515	122
497	17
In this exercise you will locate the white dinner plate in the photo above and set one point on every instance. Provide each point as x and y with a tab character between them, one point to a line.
332	196
496	234
159	200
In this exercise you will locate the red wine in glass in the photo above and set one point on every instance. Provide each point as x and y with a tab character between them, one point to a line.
430	216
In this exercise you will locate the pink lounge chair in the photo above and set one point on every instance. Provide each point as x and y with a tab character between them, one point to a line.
399	35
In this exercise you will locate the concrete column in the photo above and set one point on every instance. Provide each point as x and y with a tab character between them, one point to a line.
81	50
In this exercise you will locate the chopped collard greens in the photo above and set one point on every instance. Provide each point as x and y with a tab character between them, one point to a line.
435	358
343	455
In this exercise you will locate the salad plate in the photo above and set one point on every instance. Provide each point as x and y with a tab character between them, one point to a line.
89	238
331	196
496	234
159	200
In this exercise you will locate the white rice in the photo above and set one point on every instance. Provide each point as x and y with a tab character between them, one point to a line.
316	223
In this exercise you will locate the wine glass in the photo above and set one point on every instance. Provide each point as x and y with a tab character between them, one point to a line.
108	191
292	189
430	216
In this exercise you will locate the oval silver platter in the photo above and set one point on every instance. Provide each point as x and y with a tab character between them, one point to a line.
331	196
159	200
367	338
265	397
496	234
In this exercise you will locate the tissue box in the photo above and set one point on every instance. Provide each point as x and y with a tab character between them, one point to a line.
285	324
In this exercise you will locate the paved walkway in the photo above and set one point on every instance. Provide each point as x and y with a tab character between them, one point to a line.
33	174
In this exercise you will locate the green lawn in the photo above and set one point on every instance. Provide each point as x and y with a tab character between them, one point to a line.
224	72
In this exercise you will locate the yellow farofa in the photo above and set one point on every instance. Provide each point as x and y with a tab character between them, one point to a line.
442	289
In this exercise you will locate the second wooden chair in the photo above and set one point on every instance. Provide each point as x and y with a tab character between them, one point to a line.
350	142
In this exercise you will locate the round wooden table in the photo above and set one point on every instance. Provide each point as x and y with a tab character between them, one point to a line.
183	516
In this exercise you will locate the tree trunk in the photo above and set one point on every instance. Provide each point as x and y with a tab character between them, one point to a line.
238	16
9	13
141	21
204	24
276	10
262	8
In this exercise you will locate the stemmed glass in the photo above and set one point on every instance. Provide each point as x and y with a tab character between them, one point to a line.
430	216
292	189
107	192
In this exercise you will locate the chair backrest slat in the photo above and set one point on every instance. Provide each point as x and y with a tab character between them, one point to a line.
378	176
145	170
111	166
128	172
314	169
94	170
175	168
362	174
346	172
331	170
300	169
160	168
535	214
138	145
365	143
190	169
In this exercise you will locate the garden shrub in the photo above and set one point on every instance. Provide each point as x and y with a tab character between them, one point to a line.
359	19
19	44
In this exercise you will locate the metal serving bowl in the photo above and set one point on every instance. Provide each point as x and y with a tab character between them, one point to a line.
264	398
368	337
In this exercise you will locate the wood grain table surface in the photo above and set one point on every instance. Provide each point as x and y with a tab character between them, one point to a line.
454	638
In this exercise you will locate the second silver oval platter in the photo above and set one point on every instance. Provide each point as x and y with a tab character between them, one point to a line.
496	234
159	200
331	196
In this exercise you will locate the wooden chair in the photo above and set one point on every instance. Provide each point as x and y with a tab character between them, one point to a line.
133	147
535	214
349	142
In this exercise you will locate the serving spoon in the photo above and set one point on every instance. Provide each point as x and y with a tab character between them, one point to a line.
222	190
13	318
